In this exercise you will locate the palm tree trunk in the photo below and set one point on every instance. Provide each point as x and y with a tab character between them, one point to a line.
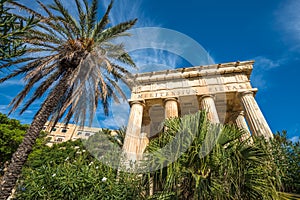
19	158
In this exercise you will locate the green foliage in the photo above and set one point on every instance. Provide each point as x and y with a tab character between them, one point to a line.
229	170
57	154
68	171
287	158
11	135
11	27
219	167
106	146
72	62
116	137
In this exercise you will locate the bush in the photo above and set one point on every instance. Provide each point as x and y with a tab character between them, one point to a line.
68	171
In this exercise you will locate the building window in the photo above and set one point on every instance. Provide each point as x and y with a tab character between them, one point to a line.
79	133
49	138
59	139
64	130
44	128
53	129
87	134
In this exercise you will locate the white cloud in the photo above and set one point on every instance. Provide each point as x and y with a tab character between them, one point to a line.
25	118
295	139
264	63
117	118
3	108
262	68
127	10
9	98
29	112
11	82
258	81
288	17
154	60
69	5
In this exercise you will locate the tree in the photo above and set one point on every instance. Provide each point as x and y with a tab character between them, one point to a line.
74	62
68	171
230	170
287	158
11	136
11	29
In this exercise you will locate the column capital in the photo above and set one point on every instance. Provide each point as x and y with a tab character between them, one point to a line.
242	124
141	102
236	114
255	118
239	112
206	96
208	104
170	99
171	107
244	93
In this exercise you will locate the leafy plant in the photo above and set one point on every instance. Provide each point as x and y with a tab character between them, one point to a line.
71	62
11	135
70	172
11	28
228	169
287	158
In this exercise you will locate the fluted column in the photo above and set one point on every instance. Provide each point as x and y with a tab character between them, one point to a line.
242	124
143	139
171	108
132	138
208	104
146	125
254	116
143	142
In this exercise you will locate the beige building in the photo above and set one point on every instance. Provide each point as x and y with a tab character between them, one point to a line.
223	90
61	133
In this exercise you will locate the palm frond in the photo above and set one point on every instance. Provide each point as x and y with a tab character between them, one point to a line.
103	22
16	61
230	170
116	87
74	43
40	91
82	18
67	20
20	97
92	16
28	67
112	31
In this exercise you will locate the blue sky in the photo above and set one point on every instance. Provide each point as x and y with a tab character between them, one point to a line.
265	31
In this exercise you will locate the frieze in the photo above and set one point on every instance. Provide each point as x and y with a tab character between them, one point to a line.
190	91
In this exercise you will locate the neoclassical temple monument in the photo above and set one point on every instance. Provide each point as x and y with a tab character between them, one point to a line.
223	90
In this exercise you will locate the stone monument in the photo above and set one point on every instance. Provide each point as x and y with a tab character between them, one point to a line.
223	90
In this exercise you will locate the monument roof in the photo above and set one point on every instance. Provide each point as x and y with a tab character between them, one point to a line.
197	71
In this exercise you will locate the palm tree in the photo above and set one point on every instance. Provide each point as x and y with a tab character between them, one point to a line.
74	63
11	27
229	170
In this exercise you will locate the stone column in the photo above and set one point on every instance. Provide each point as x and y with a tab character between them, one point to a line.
254	116
132	137
143	142
242	124
146	125
208	104
171	107
143	139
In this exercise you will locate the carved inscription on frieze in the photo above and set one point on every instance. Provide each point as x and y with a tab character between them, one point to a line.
188	91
